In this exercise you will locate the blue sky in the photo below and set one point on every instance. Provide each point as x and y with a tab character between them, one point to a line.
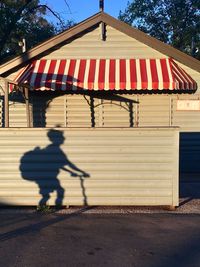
82	9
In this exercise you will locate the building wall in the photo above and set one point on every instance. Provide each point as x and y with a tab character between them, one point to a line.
78	110
147	111
189	121
152	110
1	112
117	45
121	167
74	110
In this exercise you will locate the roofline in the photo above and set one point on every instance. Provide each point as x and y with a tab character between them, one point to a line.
50	43
92	21
152	42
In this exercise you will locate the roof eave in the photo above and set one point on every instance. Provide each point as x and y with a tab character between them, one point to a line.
90	22
152	42
50	43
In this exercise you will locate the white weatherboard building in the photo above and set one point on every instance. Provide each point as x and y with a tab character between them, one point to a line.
103	109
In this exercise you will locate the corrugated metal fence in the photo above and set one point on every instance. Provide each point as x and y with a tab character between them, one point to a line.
78	166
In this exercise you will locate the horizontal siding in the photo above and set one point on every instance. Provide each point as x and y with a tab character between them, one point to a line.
125	167
48	111
187	120
17	111
154	110
76	110
80	111
1	112
117	45
73	110
117	114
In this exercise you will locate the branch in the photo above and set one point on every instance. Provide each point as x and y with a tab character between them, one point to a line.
12	26
48	8
68	6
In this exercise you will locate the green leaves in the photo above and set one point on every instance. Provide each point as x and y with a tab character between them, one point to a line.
25	19
176	22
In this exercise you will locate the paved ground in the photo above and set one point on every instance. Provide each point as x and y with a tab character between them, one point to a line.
103	236
78	239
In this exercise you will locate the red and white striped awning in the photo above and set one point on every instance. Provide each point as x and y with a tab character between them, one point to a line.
106	74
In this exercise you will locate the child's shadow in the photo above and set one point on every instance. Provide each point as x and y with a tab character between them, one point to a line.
42	166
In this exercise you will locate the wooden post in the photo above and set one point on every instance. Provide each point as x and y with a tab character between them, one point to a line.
131	114
26	93
6	104
92	111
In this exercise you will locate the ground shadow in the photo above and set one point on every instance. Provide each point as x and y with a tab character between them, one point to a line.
42	166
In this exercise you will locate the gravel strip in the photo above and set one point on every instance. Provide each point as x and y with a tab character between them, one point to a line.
187	206
189	203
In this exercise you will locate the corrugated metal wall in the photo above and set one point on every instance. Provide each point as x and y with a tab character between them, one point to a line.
77	110
1	112
17	111
48	111
114	113
154	110
124	166
189	121
74	110
117	45
80	111
66	110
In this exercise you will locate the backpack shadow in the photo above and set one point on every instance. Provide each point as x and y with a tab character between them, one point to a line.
43	165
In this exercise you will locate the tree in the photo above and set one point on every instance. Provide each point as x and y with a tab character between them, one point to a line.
176	22
25	19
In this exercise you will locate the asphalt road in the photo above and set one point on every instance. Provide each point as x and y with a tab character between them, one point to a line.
152	240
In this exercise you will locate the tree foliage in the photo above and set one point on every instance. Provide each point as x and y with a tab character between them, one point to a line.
176	22
25	19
